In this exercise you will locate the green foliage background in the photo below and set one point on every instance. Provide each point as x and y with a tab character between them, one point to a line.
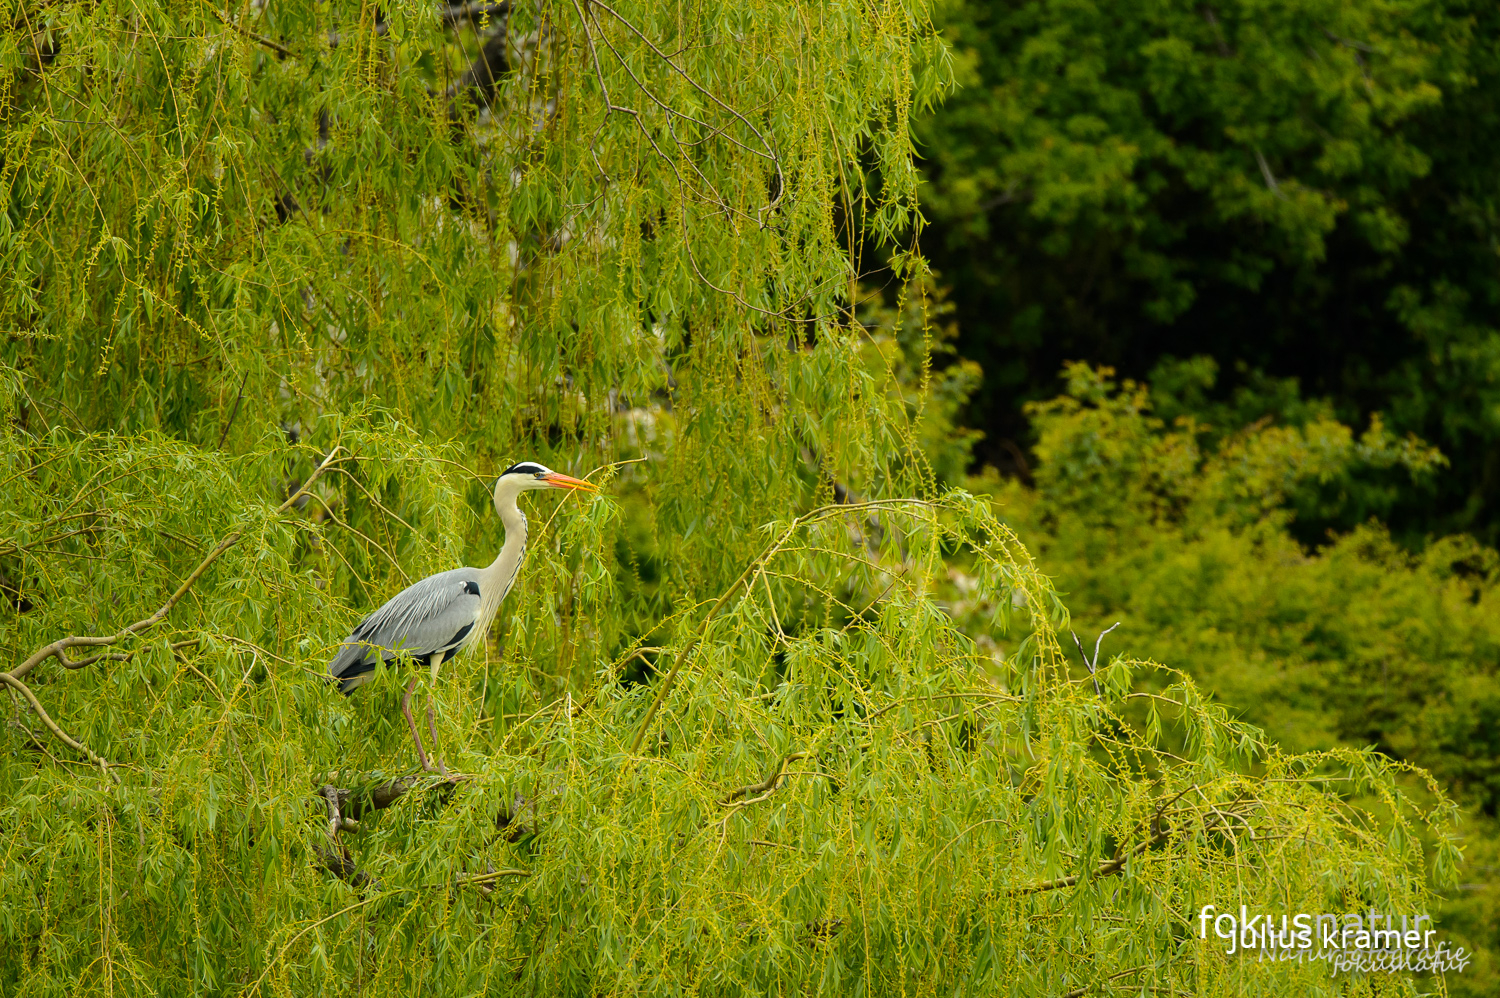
1301	191
239	244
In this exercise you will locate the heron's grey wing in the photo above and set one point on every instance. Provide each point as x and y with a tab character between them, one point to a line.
430	617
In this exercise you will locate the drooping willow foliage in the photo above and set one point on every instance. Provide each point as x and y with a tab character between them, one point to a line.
286	282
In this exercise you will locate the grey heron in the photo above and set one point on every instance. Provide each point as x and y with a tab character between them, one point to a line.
444	614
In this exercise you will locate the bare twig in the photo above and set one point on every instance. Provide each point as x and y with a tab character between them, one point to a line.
1267	175
238	398
1094	665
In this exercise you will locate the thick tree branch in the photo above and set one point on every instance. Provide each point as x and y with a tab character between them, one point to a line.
350	804
766	785
345	806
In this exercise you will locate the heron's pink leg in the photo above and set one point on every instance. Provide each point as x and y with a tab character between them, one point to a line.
406	709
432	729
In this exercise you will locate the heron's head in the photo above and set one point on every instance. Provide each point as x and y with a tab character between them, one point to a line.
529	475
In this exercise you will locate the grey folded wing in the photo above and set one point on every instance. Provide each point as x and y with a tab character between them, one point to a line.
431	617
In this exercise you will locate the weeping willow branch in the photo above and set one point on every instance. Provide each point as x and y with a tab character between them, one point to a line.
62	735
475	879
58	649
1161	831
1080	992
457	13
712	194
770	150
746	580
304	931
483	74
1107	869
258	39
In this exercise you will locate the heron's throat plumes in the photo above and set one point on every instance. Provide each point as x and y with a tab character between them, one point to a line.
496	579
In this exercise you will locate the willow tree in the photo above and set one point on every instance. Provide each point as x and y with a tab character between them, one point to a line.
284	283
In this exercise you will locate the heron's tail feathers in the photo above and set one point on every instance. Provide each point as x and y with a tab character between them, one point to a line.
351	668
352	679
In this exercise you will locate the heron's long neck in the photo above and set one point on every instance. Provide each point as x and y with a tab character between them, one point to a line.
496	580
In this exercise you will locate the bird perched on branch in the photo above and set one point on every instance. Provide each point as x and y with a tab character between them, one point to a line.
433	620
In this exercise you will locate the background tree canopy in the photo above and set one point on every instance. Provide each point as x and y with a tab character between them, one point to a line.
285	285
1301	194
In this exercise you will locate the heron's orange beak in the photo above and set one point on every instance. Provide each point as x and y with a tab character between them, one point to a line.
568	482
